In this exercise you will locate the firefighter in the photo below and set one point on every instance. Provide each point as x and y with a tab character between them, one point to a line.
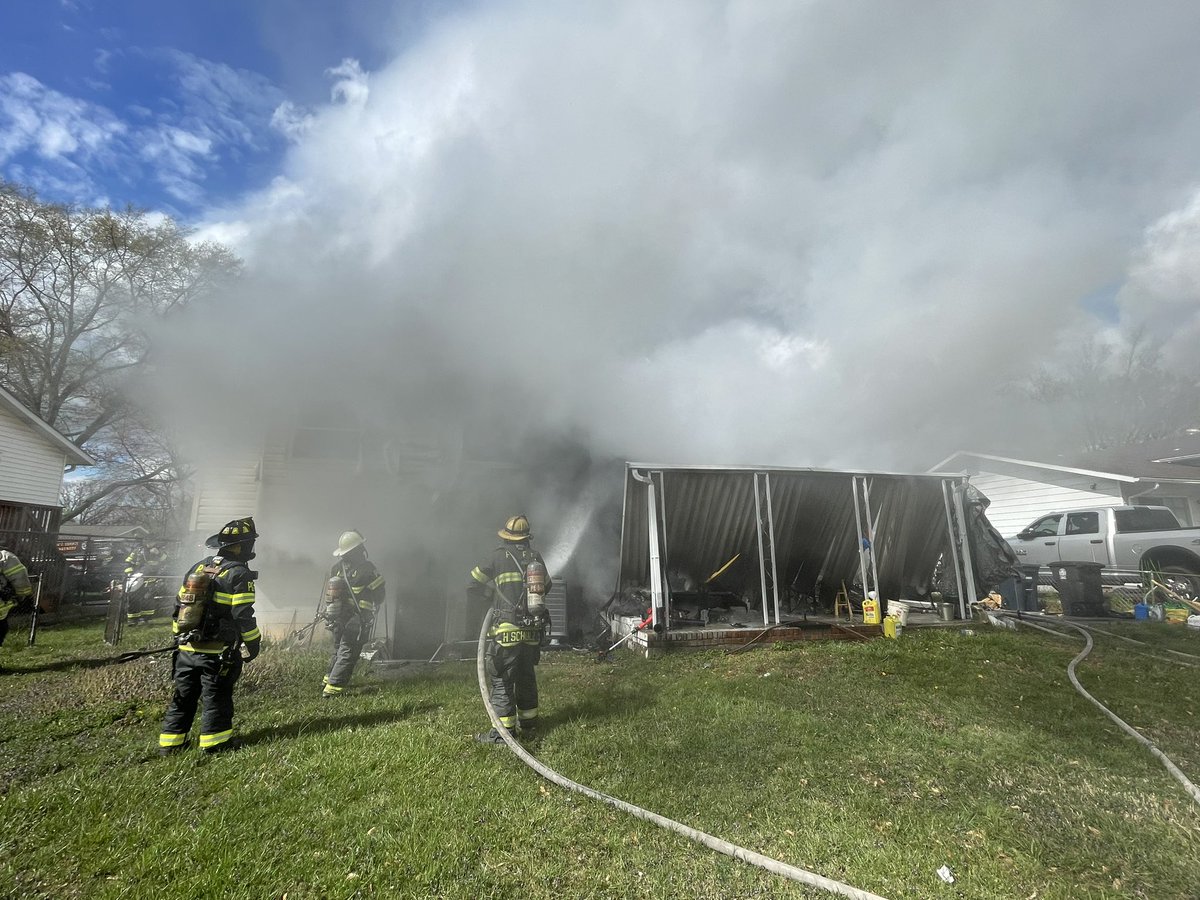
140	605
148	558
213	618
520	621
14	587
351	617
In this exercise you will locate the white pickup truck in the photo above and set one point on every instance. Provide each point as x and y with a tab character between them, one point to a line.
1123	538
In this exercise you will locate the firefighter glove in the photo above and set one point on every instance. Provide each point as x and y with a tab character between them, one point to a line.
252	648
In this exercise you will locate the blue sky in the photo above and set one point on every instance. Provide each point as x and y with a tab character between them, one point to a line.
169	105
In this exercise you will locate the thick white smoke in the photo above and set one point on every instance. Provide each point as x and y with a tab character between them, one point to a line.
821	233
827	233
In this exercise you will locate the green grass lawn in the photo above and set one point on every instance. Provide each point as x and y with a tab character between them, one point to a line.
873	763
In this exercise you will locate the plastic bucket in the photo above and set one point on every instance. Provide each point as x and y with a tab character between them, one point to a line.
900	610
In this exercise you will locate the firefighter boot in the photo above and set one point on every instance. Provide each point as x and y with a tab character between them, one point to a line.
492	737
224	747
173	751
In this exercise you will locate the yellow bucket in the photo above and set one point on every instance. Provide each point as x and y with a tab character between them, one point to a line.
870	612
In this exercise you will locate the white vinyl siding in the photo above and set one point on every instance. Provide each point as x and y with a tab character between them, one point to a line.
31	468
1016	502
225	490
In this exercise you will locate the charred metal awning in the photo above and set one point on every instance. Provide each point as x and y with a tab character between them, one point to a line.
804	531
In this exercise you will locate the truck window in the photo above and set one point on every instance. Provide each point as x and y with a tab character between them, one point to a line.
1145	518
1045	527
1083	523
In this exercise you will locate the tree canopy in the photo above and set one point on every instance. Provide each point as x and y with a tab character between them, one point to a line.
81	291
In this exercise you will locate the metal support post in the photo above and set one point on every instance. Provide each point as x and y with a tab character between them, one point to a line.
968	568
953	533
765	530
656	575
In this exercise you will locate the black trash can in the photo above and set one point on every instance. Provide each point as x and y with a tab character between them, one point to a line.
1079	586
1027	589
1010	589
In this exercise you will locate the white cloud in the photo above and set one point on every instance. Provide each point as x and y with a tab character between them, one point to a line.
350	84
212	114
291	121
233	107
37	119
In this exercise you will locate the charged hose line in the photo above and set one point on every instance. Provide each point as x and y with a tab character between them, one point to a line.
1154	656
758	637
1121	723
773	866
1121	637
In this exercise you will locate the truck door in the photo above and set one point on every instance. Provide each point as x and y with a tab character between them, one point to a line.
1037	545
1082	540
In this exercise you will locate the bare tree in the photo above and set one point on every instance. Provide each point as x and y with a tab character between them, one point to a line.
1112	398
80	291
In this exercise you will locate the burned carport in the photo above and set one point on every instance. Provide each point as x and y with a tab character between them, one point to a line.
779	544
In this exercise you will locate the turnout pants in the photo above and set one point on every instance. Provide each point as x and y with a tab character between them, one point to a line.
140	606
348	638
513	686
206	677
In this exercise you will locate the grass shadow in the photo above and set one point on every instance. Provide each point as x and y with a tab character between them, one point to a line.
64	665
327	724
596	707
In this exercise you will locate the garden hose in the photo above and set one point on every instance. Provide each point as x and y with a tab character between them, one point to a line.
1121	723
713	843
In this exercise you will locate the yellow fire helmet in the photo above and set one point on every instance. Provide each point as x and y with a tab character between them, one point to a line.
515	529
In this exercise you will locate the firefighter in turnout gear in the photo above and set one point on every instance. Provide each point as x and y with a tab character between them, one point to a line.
14	587
213	618
148	558
515	582
353	596
145	560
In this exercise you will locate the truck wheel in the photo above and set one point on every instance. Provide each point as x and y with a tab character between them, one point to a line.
1181	581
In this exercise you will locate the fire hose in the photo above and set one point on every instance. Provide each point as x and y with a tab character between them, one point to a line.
138	654
773	866
1175	771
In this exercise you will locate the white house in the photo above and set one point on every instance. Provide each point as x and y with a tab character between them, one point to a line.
1158	473
32	459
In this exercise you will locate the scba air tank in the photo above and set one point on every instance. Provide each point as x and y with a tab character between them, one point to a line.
535	586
